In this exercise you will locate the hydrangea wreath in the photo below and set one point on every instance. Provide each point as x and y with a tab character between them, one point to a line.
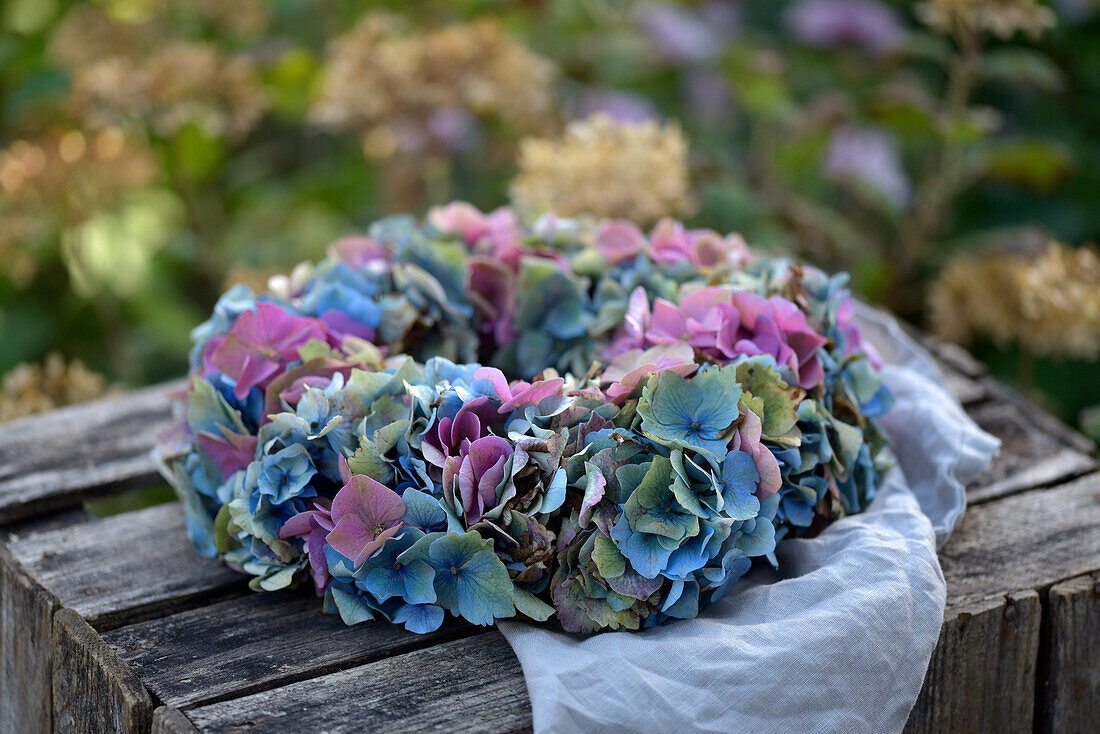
653	413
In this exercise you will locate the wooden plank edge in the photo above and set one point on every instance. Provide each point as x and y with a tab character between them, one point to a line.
1068	693
1043	420
200	597
144	476
169	720
93	690
982	673
1063	467
480	671
136	415
26	621
422	642
159	575
223	651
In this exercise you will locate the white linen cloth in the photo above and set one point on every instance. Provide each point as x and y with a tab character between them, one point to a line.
838	640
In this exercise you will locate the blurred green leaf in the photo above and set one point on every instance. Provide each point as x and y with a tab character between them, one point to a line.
923	46
1090	422
799	158
113	250
1038	164
1019	65
292	82
28	16
196	153
758	83
907	117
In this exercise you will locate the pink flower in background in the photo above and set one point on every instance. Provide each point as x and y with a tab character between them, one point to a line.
619	240
868	24
869	156
685	36
724	324
671	242
358	250
853	335
491	286
497	229
260	344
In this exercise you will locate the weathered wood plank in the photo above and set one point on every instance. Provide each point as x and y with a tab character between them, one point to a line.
1029	540
26	617
473	685
1071	693
93	690
55	460
982	673
125	568
260	641
1029	457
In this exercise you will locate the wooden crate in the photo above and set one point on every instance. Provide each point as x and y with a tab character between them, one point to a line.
114	624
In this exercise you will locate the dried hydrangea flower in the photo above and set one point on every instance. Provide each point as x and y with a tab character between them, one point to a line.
604	168
51	384
180	83
1001	18
410	90
1049	303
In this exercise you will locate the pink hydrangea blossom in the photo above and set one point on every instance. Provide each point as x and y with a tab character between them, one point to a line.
449	436
260	344
518	392
359	251
670	243
314	526
747	439
723	324
619	240
477	472
628	369
366	514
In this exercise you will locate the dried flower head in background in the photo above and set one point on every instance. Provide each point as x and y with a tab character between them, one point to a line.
410	90
60	179
1049	304
87	34
1001	18
606	168
37	388
179	84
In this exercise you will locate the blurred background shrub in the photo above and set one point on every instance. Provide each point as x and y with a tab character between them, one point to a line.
153	152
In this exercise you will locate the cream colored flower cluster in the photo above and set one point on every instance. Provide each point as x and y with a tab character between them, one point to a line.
1048	304
37	388
1001	18
382	78
605	168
